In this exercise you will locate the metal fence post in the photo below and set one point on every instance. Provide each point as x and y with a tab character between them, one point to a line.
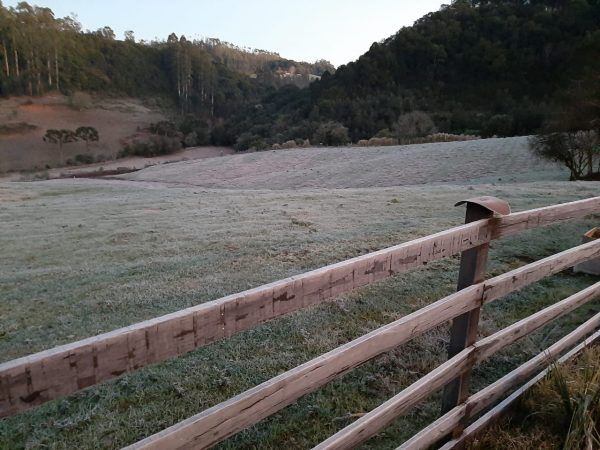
464	328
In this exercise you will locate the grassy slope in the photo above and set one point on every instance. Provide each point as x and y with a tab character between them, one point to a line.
489	160
86	256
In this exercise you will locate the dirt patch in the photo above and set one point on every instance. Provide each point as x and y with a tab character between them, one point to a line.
16	128
23	148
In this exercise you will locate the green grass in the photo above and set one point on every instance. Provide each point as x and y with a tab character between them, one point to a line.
82	257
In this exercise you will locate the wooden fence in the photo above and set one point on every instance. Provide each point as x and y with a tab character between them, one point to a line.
54	373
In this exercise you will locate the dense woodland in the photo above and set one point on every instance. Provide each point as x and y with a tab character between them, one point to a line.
504	67
477	67
210	79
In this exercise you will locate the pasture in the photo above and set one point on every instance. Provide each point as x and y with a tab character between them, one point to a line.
81	257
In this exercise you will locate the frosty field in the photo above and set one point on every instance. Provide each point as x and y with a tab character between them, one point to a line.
80	257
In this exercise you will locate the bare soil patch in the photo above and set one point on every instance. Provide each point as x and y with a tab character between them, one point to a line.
27	119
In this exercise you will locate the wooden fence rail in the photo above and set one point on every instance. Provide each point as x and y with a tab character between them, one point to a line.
372	422
227	418
489	395
35	379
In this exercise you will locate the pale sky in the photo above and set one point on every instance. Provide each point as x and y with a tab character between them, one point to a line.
304	30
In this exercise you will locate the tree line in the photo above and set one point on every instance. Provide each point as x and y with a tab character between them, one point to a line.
210	79
475	67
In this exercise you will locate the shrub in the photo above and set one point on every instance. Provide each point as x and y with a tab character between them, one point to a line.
385	133
579	151
332	133
165	128
16	128
382	141
154	146
449	137
499	125
191	140
248	141
414	124
83	159
289	144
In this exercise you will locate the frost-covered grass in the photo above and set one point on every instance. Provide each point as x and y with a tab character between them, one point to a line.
481	161
80	257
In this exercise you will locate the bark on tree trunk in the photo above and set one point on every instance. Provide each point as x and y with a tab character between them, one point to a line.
56	68
6	62
49	66
17	71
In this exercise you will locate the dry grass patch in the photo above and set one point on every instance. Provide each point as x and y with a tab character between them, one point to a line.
560	412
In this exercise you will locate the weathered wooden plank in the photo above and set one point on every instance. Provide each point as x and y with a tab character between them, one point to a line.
492	393
371	423
225	419
247	408
520	373
535	218
35	379
465	328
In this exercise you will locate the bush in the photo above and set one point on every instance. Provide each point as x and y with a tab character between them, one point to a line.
414	124
84	159
331	134
16	128
449	137
289	144
165	128
579	151
191	140
382	141
154	146
248	141
499	125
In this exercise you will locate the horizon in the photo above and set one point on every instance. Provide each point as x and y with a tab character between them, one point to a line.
292	30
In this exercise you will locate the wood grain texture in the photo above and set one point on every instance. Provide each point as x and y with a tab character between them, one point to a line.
35	379
465	328
247	408
492	393
374	421
503	406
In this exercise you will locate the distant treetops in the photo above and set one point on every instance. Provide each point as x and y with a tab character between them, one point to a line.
64	136
473	68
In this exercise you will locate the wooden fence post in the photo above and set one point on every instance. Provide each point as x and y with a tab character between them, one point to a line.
465	327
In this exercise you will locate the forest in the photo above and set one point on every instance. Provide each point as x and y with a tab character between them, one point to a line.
209	79
475	67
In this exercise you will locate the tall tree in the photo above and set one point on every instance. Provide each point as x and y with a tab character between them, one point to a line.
59	138
87	134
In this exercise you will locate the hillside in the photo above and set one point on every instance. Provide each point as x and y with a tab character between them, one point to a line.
41	53
267	67
479	67
486	160
499	68
24	121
